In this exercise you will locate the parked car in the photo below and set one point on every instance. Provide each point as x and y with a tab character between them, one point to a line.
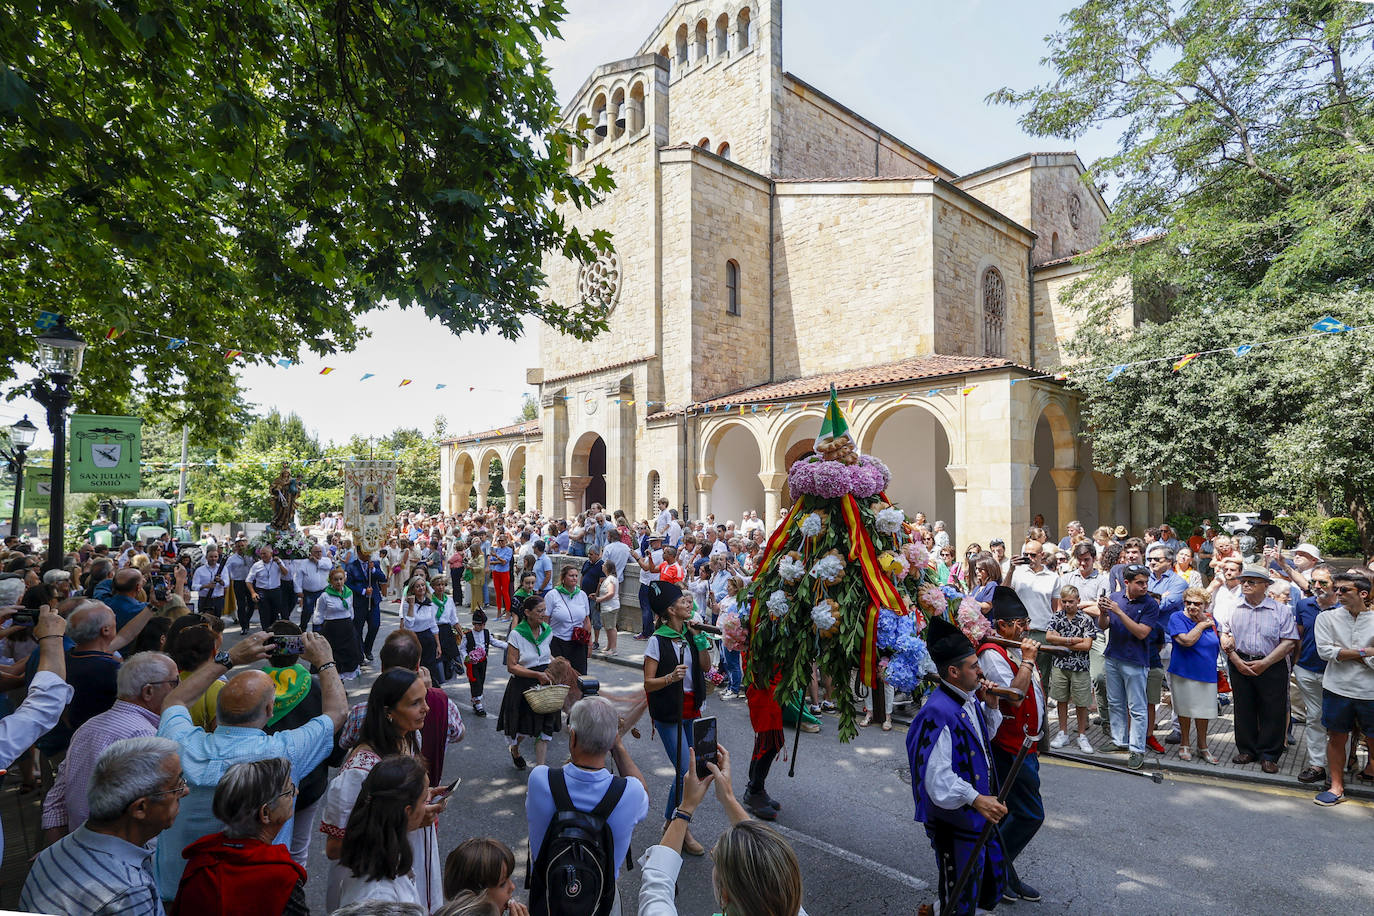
1234	523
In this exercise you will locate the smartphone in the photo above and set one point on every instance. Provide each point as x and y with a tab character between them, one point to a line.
448	789
1269	542
1020	559
287	644
704	743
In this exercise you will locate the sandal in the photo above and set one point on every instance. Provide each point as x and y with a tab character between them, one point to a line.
1185	754
517	759
867	719
1208	756
887	724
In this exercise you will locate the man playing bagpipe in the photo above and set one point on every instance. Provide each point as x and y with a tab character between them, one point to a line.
952	773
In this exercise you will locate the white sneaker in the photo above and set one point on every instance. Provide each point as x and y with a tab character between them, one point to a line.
1059	740
727	694
1084	744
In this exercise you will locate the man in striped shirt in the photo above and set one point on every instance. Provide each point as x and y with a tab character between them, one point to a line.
105	867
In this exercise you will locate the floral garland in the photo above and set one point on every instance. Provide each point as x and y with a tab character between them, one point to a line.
832	479
908	660
288	544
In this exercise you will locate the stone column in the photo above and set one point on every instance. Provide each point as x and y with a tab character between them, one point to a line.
1066	483
573	490
1140	511
512	488
772	498
958	477
1106	499
483	483
1156	503
704	484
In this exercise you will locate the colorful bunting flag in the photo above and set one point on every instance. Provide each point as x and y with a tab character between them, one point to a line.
934	392
967	391
1331	325
1061	376
232	354
366	375
176	343
1244	349
328	369
46	321
112	333
285	363
1115	372
439	386
404	382
1178	366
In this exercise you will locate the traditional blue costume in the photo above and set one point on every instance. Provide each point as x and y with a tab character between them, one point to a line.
949	740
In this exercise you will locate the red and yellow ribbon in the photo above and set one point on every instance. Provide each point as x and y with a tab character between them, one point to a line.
881	592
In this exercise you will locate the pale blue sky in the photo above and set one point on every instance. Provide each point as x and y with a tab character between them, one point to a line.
919	69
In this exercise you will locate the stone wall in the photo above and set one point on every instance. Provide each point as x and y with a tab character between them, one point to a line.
853	275
1054	190
1056	322
968	241
821	139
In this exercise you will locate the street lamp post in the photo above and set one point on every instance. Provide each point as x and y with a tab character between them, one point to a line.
22	435
59	359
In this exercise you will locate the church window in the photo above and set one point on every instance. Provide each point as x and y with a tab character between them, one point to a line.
682	43
663	52
732	287
617	113
724	151
655	488
636	118
704	143
742	29
1054	245
701	41
722	35
994	311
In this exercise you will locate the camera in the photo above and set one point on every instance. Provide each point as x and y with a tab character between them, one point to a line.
24	618
589	686
159	584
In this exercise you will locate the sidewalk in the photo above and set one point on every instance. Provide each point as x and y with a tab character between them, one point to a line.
1220	738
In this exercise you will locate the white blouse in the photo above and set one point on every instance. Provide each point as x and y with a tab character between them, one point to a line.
419	617
529	654
332	607
566	613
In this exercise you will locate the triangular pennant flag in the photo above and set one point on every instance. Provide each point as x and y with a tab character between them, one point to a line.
112	333
1061	376
1012	383
404	382
366	375
232	354
833	427
285	363
932	392
1331	325
1244	349
46	321
1116	371
901	398
440	385
741	410
1178	366
328	369
967	391
176	343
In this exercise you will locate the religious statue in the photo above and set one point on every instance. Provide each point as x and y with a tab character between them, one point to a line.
285	490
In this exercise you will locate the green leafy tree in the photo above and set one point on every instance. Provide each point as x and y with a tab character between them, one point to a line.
261	176
1245	154
529	408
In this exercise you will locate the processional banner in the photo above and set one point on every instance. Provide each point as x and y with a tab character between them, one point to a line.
369	502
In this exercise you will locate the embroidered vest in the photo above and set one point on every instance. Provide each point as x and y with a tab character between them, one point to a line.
1027	716
968	758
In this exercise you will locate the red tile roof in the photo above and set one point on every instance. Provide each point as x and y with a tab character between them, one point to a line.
595	369
907	370
528	428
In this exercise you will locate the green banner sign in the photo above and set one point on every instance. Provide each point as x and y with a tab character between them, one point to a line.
37	488
105	454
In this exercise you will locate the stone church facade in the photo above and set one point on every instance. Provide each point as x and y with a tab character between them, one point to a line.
769	242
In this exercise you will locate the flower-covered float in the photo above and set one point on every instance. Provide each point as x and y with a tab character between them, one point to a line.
840	582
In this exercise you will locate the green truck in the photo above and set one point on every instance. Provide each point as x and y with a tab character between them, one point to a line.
136	520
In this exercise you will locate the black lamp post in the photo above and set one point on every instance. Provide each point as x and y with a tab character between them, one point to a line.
22	435
59	359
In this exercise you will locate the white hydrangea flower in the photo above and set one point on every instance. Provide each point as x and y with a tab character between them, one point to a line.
811	525
791	569
777	604
822	616
828	567
889	520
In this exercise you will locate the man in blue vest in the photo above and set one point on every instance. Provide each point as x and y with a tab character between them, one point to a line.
952	774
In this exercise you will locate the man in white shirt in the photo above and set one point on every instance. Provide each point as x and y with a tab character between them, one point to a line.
311	578
264	583
672	535
207	583
235	574
616	555
661	520
1345	638
1034	583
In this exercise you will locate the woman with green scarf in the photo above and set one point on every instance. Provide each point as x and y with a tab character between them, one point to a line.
297	700
334	618
529	651
675	663
568	610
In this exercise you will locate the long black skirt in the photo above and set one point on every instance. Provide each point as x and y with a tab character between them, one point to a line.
343	639
517	719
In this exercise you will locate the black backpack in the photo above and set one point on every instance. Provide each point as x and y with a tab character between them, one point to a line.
575	872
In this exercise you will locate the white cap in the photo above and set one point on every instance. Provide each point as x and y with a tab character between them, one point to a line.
1309	549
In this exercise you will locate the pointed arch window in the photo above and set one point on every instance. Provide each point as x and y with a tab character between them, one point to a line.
994	312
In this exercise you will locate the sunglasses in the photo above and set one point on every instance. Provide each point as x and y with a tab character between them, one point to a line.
1195	604
1345	589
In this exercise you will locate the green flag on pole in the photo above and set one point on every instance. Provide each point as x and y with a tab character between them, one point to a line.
833	427
106	453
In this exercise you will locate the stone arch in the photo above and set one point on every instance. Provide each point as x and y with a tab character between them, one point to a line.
482	482
705	143
599	130
743	21
732	461
723	151
1054	245
699	44
653	490
514	465
992	306
587	472
617	115
792	428
464	473
722	35
681	41
1053	490
915	441
635	121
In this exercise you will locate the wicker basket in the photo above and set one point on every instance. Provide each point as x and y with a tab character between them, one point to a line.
546	698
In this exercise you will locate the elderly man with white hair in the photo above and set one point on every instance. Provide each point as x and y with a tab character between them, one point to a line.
143	682
593	732
105	865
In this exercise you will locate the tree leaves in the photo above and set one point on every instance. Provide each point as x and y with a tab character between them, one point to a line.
259	177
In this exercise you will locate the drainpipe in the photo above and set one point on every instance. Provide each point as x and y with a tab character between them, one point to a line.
1030	285
772	203
685	462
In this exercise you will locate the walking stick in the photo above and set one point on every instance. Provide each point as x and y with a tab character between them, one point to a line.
966	875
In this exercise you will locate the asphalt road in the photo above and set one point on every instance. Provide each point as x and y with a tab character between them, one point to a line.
1111	843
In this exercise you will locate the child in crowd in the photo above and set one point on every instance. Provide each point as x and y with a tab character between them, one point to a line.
450	630
478	644
1070	681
